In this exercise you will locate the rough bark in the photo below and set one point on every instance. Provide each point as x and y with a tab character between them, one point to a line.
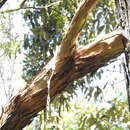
68	43
68	65
27	103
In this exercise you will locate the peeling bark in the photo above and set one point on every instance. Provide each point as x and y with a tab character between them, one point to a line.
32	99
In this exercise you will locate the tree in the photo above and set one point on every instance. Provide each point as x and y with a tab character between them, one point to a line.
83	116
9	49
2	2
67	65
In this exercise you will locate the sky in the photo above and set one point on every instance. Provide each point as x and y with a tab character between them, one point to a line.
6	65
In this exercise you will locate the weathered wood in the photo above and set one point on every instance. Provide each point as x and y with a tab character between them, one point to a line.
69	42
27	103
69	65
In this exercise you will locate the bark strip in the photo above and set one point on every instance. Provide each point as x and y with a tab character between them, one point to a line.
69	41
32	99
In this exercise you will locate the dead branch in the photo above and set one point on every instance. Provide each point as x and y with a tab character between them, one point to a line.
21	7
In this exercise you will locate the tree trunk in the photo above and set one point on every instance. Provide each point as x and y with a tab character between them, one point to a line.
32	99
68	65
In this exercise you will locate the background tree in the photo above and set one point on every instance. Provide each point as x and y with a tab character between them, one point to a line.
9	50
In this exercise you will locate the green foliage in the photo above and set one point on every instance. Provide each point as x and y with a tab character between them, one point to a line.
46	27
84	115
101	20
8	41
10	48
114	116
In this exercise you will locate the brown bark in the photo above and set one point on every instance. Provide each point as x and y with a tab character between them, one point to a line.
2	2
68	43
27	103
69	65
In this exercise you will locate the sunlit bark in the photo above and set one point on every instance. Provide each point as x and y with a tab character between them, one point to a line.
66	66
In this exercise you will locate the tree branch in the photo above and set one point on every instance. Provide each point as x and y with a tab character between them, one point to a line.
2	2
33	98
69	42
22	3
69	66
21	7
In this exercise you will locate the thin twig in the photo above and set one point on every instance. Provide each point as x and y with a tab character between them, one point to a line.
48	96
32	7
